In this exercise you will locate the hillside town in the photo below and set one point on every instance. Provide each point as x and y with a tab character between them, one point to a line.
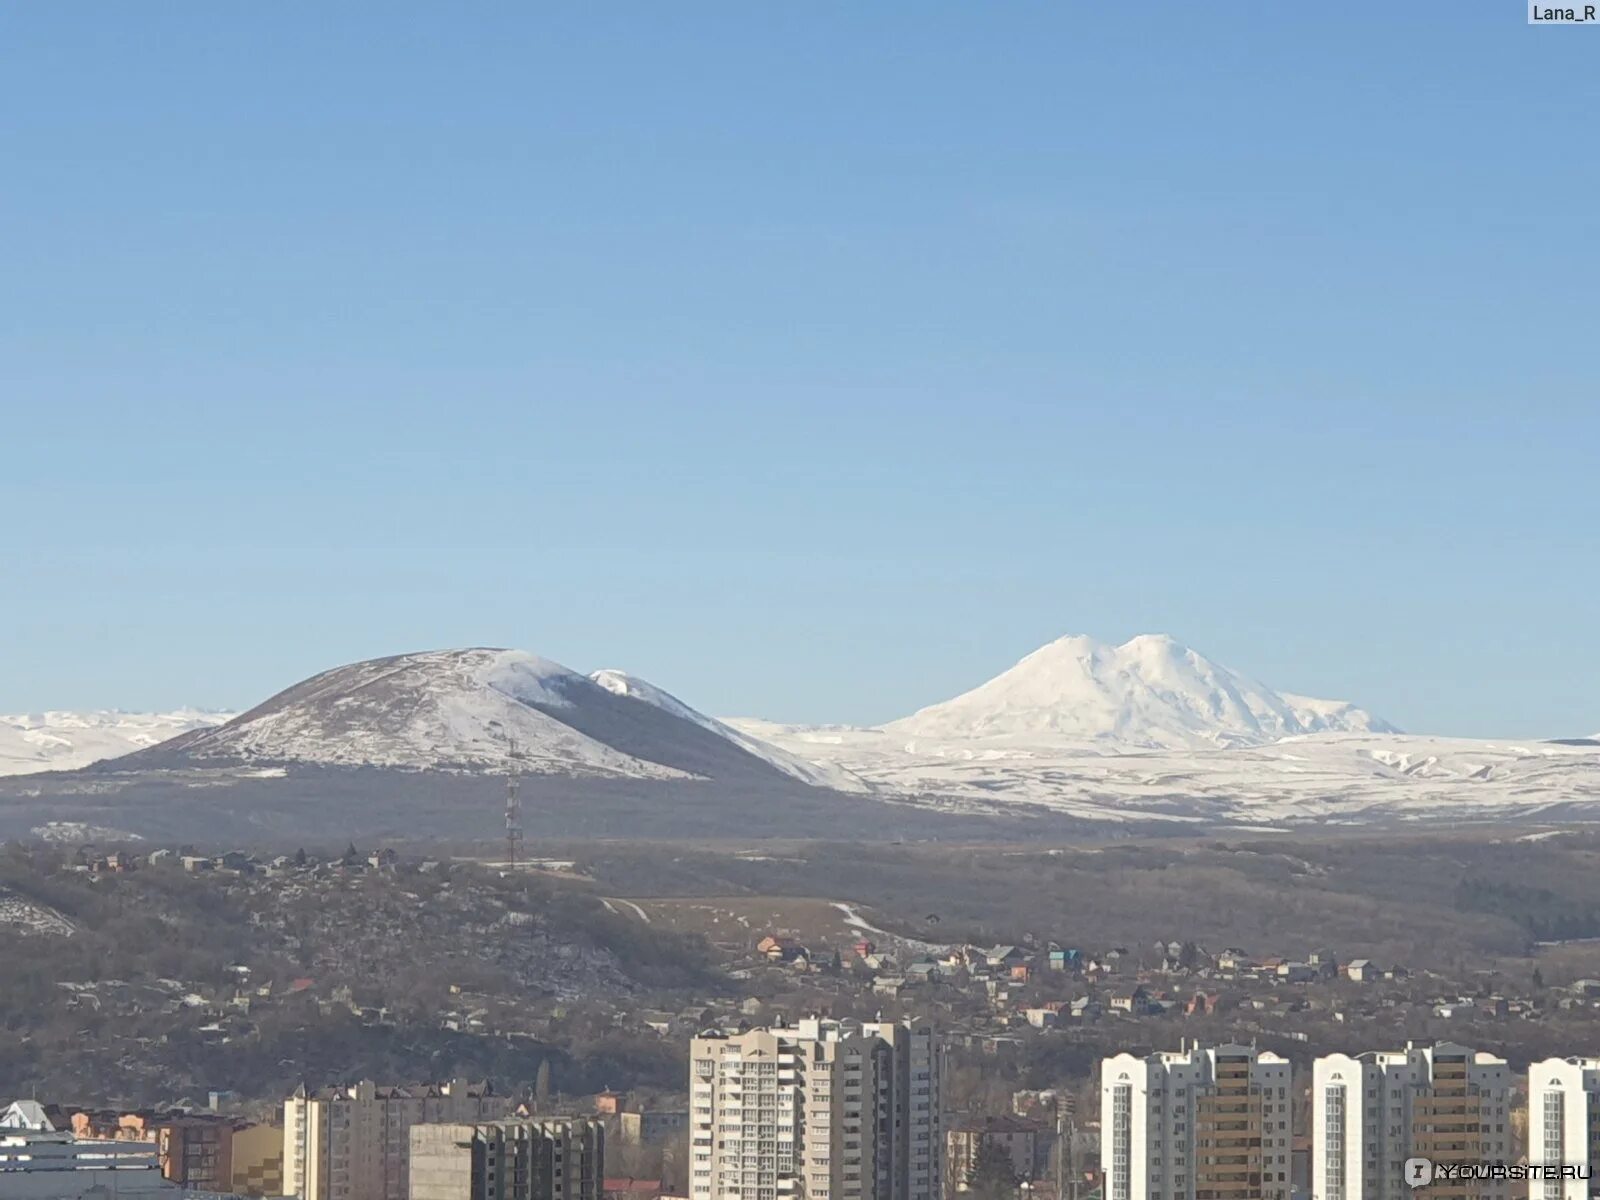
1038	1068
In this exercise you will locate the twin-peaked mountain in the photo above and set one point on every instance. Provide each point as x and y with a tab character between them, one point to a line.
1149	692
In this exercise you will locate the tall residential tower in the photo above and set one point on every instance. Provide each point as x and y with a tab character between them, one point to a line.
1372	1112
1563	1123
1199	1123
824	1110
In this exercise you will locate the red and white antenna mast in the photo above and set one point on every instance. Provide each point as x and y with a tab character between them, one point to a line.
513	809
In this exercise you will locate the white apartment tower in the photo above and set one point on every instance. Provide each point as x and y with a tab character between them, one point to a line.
1200	1123
354	1142
1563	1123
824	1110
1371	1112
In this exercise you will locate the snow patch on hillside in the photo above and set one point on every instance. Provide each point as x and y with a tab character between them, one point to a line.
30	917
79	833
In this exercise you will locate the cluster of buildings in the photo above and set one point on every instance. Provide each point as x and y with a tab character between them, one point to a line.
1217	1123
825	1109
1049	985
837	1109
447	1141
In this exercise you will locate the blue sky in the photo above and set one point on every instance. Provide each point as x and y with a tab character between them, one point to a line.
813	361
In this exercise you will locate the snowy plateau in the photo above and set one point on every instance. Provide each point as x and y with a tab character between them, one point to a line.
63	741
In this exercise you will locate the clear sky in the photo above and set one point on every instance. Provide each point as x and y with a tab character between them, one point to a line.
814	361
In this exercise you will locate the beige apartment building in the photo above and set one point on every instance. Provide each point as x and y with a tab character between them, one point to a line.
555	1159
825	1110
1372	1112
1199	1123
354	1142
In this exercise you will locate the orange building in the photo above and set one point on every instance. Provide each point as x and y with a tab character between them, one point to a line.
200	1151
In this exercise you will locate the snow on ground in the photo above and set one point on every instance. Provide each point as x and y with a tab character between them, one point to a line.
64	741
28	916
1148	730
1152	730
615	900
1310	777
855	920
78	833
460	709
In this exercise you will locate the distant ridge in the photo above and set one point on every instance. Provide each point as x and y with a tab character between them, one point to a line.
1079	731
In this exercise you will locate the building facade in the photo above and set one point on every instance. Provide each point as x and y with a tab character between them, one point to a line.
1563	1123
651	1127
555	1159
1370	1113
1026	1141
1199	1123
47	1164
824	1110
257	1160
198	1151
354	1142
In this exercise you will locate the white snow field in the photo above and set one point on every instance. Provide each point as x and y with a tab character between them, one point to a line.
64	741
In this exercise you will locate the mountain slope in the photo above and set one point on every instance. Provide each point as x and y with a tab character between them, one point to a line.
64	741
817	774
1150	692
475	710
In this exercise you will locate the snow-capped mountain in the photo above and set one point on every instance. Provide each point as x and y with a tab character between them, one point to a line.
1148	730
64	741
819	774
477	710
1150	692
1151	730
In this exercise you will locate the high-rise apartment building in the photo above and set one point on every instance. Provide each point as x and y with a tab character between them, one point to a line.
354	1142
1372	1112
1563	1123
554	1159
824	1110
1199	1123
